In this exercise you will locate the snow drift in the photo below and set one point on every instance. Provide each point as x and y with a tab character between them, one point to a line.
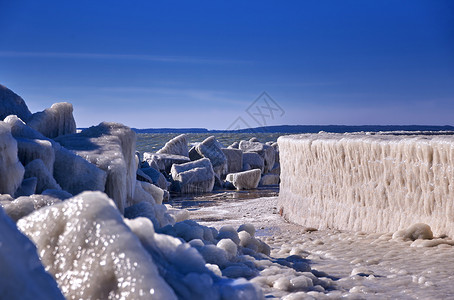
374	183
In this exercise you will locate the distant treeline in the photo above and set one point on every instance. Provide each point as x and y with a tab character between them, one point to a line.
304	129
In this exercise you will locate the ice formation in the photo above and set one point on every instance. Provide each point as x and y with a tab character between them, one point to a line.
252	160
54	121
211	149
23	275
265	151
12	104
177	146
234	159
163	162
36	168
111	147
84	243
194	177
245	180
11	170
374	183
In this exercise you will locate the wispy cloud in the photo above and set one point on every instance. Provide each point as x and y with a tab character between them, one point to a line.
139	57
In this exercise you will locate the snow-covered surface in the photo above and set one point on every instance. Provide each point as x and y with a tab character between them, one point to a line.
11	170
22	274
332	264
373	183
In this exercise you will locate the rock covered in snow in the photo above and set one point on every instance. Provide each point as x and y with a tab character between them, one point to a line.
245	180
54	121
177	146
12	104
92	253
163	162
194	177
212	149
11	170
234	159
23	275
265	151
156	177
111	147
253	161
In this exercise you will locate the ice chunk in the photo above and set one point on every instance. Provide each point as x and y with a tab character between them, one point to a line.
415	232
234	159
27	187
12	104
266	152
372	183
31	149
253	160
163	162
155	213
25	205
157	177
111	147
21	130
54	121
23	275
91	252
195	177
245	180
211	149
158	194
36	168
269	179
177	146
11	170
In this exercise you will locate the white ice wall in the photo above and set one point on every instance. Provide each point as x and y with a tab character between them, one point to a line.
374	183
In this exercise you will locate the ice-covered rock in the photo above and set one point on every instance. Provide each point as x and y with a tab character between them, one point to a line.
234	159
234	145
245	180
11	170
415	232
36	168
163	162
27	187
157	214
23	275
265	151
21	130
111	147
269	179
212	149
253	160
91	252
194	177
157	177
177	146
158	194
12	104
31	149
276	170
372	183
54	121
24	205
85	176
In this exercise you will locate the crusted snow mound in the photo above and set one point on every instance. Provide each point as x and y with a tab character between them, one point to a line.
11	170
374	183
12	104
23	275
84	243
54	121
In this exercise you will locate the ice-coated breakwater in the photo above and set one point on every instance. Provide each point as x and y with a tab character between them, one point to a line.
373	183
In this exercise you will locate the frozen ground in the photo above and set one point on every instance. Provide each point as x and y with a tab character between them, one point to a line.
347	265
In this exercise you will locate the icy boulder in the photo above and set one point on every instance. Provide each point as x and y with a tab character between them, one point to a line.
266	152
12	104
177	146
36	168
194	177
23	275
92	253
54	121
372	183
25	205
234	159
269	179
163	162
156	177
111	147
245	180
31	149
11	170
252	160
212	149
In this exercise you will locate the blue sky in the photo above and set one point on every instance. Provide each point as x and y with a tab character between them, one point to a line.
151	64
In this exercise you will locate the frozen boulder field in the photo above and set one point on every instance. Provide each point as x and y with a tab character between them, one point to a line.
85	216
